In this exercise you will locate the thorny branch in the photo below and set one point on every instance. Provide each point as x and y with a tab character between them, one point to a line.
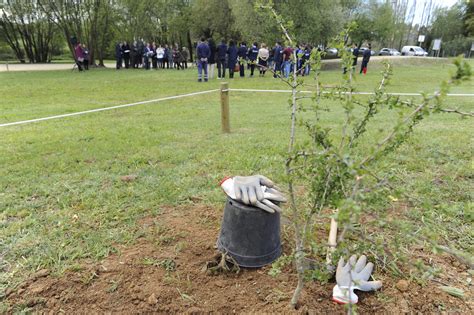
335	174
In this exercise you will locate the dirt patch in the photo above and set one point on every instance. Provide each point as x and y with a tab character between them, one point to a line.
163	272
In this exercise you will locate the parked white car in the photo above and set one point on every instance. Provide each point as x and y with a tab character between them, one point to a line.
413	51
389	52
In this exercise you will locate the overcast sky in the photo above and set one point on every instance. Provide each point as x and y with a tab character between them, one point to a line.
447	3
419	5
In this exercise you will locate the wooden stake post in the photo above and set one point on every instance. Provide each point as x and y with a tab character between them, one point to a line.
225	118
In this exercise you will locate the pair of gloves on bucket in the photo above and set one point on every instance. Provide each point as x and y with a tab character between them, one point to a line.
261	192
256	190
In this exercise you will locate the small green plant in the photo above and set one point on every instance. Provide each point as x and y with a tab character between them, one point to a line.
114	284
168	264
278	265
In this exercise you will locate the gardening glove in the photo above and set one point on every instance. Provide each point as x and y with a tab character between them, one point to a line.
255	190
353	276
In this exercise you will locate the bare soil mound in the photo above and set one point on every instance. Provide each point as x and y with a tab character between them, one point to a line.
163	272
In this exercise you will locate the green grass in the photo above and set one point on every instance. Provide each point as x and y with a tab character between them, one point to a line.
61	196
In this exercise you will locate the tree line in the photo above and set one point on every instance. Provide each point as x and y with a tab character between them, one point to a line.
35	31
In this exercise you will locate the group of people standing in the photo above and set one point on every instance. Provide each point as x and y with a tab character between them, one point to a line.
279	59
150	56
231	57
365	58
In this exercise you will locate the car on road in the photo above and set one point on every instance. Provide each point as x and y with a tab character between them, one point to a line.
362	49
413	51
331	52
389	52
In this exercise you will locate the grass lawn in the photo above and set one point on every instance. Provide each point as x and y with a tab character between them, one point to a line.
63	197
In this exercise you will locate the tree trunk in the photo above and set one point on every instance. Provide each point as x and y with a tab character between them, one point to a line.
190	43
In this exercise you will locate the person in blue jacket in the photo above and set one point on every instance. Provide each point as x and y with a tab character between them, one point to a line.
221	62
203	52
252	56
306	59
242	54
231	58
147	54
299	59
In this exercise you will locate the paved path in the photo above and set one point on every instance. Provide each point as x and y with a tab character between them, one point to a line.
69	66
41	66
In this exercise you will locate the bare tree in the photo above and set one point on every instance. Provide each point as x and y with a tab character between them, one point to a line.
27	30
90	21
399	8
411	19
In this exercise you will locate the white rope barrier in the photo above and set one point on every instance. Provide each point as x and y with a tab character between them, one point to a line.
193	94
356	93
107	108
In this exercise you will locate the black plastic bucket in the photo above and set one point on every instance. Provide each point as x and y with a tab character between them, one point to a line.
250	235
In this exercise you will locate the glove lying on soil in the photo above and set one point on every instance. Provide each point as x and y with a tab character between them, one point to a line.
256	190
353	276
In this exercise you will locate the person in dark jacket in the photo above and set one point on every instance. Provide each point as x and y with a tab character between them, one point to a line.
365	59
154	59
271	62
203	53
178	57
86	57
134	54
242	54
118	56
252	56
165	59
185	55
231	58
141	50
147	54
355	54
169	55
277	59
306	60
212	57
221	59
126	54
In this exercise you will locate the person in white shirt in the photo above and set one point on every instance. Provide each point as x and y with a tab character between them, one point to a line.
160	55
262	57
